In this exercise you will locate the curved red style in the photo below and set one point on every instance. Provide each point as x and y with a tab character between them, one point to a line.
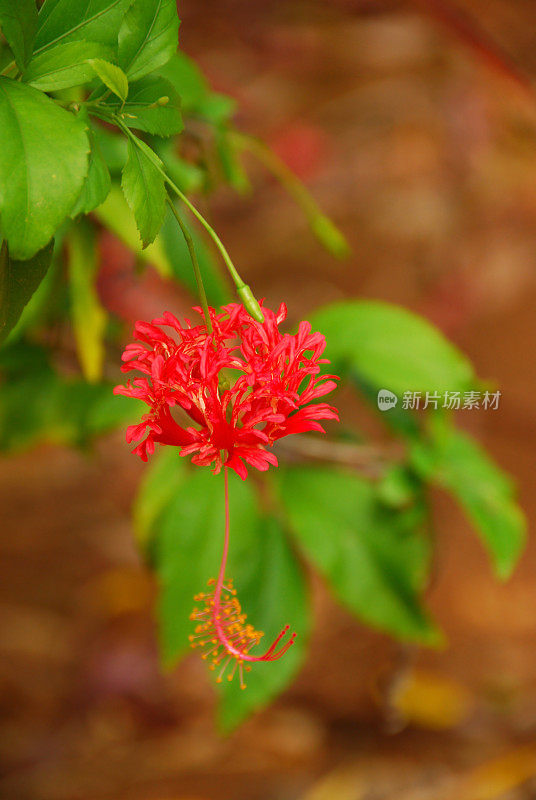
221	626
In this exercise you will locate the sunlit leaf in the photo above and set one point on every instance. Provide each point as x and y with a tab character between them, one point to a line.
144	190
65	65
112	76
153	106
374	558
43	163
71	20
148	36
391	348
163	478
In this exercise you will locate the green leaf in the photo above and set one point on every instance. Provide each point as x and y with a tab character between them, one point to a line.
18	20
148	36
269	581
115	214
144	190
391	348
229	155
112	76
114	148
162	480
153	106
48	304
194	90
18	281
181	264
6	55
71	20
64	66
329	235
42	305
43	163
98	182
88	316
188	177
273	592
374	558
485	492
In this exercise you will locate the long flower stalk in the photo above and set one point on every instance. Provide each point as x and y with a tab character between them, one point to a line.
221	625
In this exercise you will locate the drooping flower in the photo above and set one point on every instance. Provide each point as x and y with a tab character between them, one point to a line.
244	385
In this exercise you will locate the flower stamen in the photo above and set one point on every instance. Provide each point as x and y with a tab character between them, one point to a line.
224	625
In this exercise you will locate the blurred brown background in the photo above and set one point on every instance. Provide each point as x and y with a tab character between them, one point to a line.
425	154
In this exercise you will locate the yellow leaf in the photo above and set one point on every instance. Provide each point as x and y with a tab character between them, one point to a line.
431	700
88	316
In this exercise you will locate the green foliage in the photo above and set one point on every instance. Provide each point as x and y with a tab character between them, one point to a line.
162	480
329	235
64	66
374	558
391	348
112	76
229	156
18	21
457	463
181	510
38	404
196	96
152	106
98	182
43	305
115	62
18	281
147	37
273	593
144	190
50	148
74	20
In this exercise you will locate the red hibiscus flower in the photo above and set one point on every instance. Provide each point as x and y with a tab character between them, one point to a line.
244	385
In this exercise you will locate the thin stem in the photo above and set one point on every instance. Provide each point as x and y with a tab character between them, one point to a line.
279	170
243	290
321	225
212	233
221	576
197	272
197	214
